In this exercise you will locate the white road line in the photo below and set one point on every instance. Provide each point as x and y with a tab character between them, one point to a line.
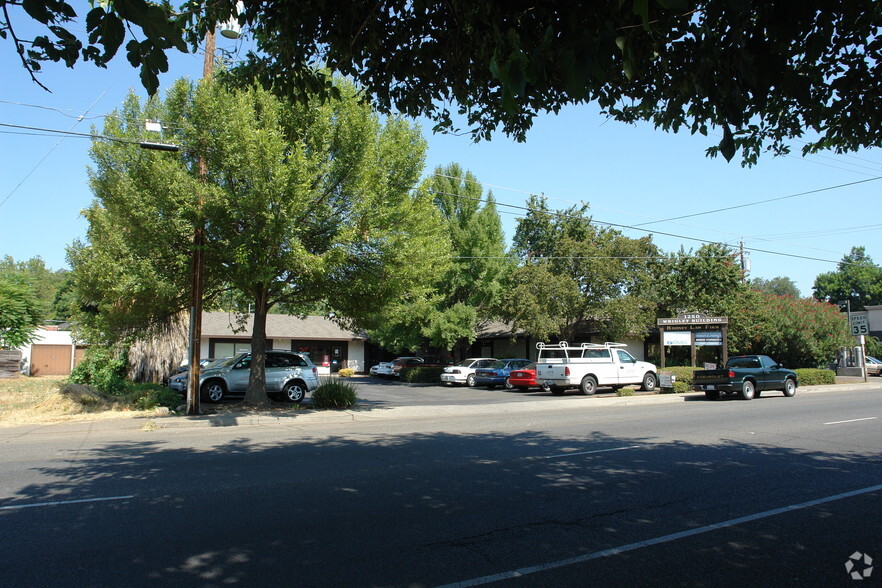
62	502
656	541
851	421
589	452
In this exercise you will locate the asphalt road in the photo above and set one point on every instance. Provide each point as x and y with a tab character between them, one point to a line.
569	491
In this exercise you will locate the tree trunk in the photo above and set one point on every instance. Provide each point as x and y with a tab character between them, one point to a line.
256	393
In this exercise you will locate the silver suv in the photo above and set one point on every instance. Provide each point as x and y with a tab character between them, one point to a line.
289	376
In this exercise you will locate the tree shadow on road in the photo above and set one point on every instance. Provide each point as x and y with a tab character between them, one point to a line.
373	508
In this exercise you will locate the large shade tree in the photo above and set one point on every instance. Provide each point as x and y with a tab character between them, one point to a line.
576	278
761	72
303	204
466	296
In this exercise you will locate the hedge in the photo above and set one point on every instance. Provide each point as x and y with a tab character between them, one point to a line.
815	376
422	375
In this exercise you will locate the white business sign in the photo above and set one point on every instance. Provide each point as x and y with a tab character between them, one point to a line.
860	323
678	338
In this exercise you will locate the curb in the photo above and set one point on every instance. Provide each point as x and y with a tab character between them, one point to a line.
440	411
304	417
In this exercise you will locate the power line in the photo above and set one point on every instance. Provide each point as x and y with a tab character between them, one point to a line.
637	228
48	153
64	112
758	202
63	134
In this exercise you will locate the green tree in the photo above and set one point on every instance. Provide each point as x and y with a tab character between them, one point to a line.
303	205
20	312
467	295
797	332
575	278
762	72
708	280
857	280
780	286
44	282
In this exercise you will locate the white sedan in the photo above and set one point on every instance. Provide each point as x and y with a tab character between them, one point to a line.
464	371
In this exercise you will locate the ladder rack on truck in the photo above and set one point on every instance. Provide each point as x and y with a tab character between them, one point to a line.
589	365
563	352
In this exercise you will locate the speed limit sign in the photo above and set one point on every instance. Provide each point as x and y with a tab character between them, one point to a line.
860	323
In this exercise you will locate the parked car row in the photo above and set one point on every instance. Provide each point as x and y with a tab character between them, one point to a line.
472	371
392	369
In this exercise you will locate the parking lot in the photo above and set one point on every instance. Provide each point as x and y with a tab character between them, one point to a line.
379	392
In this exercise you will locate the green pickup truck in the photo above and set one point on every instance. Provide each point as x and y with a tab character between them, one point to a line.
747	376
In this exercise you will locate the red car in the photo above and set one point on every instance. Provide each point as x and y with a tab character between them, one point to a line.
525	378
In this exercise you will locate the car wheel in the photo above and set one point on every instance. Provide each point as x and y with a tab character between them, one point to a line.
588	385
748	391
650	381
508	385
712	394
294	392
470	381
557	391
212	391
789	387
545	387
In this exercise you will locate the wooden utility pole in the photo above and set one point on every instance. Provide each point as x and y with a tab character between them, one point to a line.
197	262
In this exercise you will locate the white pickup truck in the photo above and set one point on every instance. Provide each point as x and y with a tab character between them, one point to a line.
592	365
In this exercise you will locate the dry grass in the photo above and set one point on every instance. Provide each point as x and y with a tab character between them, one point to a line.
47	399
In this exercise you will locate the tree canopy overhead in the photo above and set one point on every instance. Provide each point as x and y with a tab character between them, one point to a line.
763	72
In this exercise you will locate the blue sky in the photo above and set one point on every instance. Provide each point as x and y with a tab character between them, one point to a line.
796	216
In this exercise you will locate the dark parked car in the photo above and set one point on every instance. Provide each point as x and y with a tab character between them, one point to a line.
747	376
497	374
424	361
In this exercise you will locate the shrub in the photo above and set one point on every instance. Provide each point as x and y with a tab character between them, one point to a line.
334	393
101	369
682	374
149	396
422	375
815	376
682	387
625	392
346	373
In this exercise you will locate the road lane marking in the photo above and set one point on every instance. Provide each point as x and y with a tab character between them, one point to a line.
851	421
63	502
589	452
656	541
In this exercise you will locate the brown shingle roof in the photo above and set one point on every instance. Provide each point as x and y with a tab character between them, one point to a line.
278	326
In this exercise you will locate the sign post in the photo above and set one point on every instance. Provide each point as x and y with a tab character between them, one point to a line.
694	329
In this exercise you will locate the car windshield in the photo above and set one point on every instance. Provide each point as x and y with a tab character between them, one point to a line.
499	365
225	362
466	363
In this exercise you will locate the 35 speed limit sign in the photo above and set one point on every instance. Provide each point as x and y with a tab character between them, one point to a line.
860	323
